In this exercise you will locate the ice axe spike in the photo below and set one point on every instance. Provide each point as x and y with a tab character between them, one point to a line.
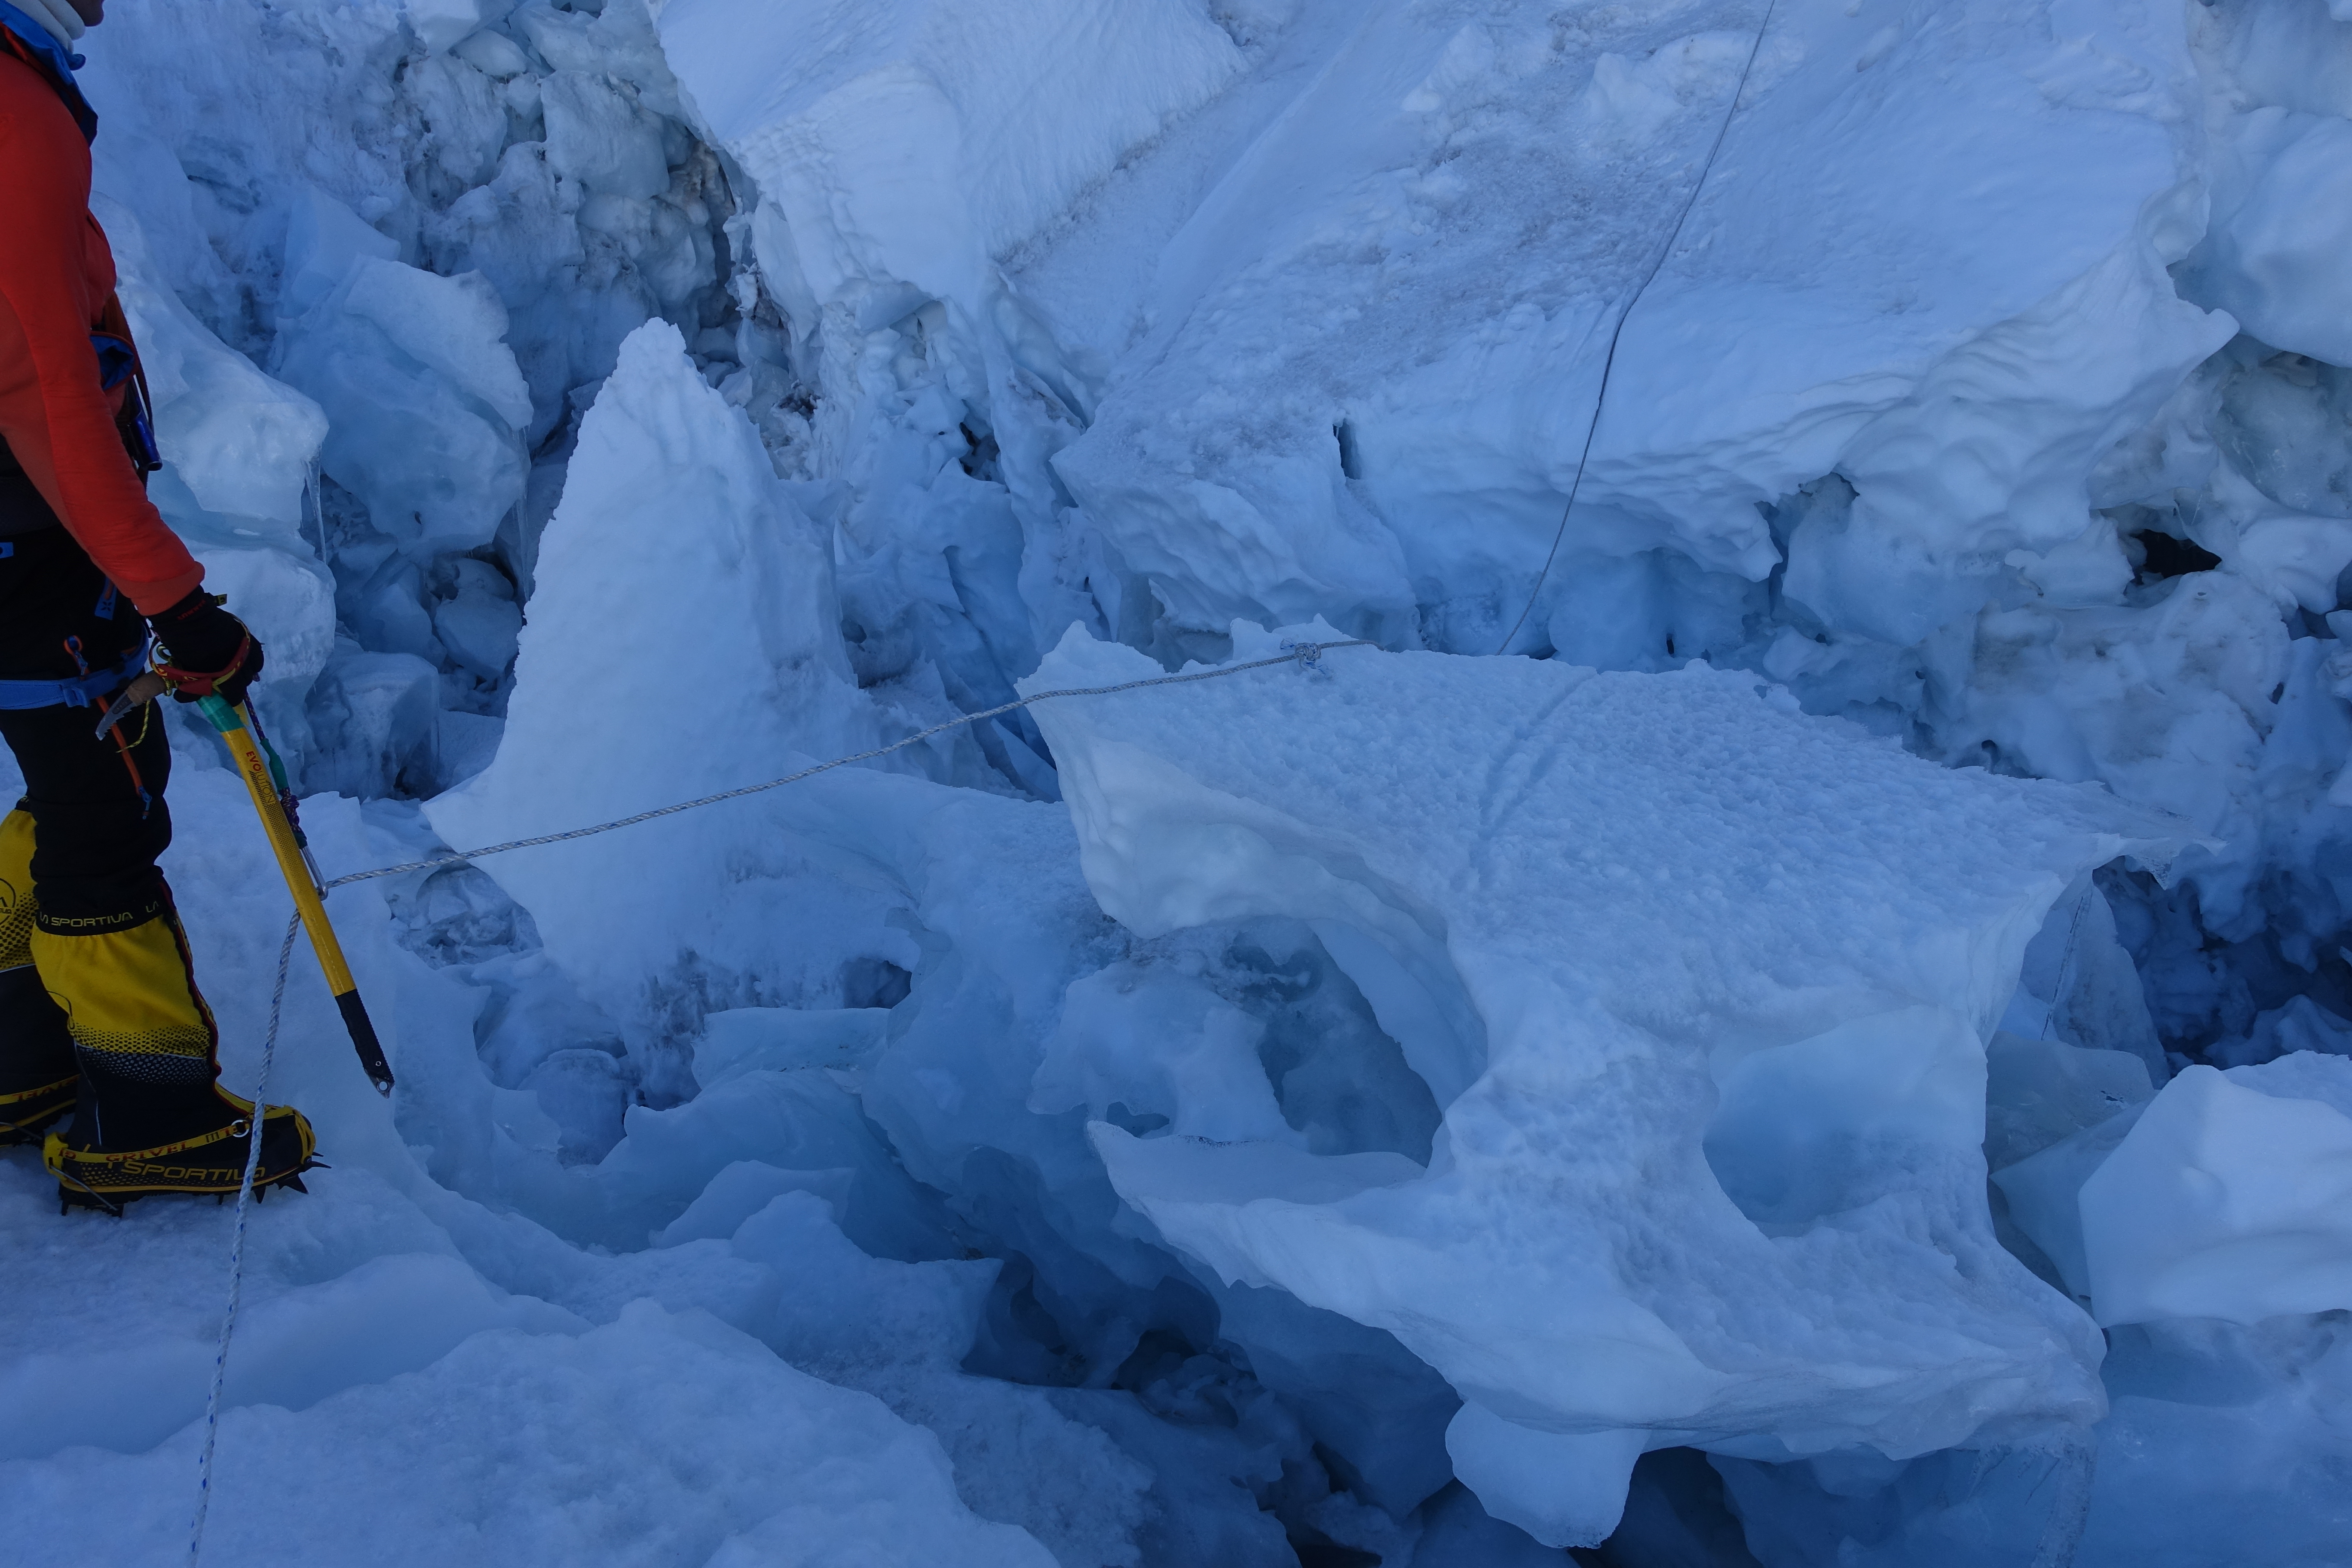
262	783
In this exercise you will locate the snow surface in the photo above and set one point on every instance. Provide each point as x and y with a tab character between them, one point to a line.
1834	1051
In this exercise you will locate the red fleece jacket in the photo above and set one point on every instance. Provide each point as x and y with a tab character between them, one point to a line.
57	276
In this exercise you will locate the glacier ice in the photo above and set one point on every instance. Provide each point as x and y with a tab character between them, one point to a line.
2224	1199
424	401
1870	1095
1549	930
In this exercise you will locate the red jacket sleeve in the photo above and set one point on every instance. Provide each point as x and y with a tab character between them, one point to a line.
56	276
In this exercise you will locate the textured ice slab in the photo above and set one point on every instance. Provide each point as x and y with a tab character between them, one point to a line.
425	401
2230	1198
1701	984
1418	222
904	143
2282	261
241	443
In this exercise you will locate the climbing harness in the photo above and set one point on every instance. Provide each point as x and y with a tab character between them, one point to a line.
1306	656
81	690
1608	362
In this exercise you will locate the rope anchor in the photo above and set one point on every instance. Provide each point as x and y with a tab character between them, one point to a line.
1309	655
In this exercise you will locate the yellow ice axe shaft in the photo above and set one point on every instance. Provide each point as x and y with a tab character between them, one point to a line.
233	723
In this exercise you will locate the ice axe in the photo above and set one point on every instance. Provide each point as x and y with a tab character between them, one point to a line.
264	780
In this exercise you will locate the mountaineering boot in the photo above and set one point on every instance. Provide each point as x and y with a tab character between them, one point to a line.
39	1078
150	1117
37	1074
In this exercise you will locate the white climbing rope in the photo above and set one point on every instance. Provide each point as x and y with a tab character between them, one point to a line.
1608	362
237	1251
1306	656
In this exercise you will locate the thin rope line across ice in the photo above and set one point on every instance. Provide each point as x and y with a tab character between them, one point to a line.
237	1250
1305	655
1610	361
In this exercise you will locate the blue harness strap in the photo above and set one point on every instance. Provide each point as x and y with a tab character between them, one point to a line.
77	691
116	360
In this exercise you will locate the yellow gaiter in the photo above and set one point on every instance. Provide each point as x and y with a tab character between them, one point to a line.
38	1075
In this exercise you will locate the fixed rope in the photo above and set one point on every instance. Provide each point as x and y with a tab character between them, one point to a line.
1306	656
1609	363
237	1251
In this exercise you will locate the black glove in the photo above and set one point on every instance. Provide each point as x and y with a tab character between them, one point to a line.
204	651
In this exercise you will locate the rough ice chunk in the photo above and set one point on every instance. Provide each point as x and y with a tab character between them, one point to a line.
2044	1191
464	745
2231	1198
2302	1024
242	443
908	142
324	240
586	1093
679	581
423	397
600	136
495	55
1140	1039
2282	261
2222	1446
452	325
237	448
2225	1443
2038	1092
2081	986
743	1190
438	23
379	709
1556	1486
533	1012
285	596
1990	453
1629	913
480	630
2121	695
